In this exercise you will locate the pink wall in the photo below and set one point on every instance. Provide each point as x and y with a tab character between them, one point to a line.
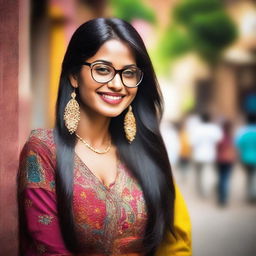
9	63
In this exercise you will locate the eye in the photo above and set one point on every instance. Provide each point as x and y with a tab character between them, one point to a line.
101	69
130	73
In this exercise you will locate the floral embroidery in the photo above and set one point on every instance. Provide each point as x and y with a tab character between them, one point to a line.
33	169
52	184
107	218
45	219
40	248
83	195
37	164
28	203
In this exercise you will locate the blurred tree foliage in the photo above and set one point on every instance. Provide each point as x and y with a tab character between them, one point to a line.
201	26
132	9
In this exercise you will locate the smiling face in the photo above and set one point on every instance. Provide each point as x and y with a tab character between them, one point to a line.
111	98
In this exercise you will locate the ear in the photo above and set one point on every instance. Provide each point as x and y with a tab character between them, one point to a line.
73	80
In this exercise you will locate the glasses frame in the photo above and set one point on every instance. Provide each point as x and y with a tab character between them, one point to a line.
117	71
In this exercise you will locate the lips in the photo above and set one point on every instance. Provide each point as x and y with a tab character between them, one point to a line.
111	98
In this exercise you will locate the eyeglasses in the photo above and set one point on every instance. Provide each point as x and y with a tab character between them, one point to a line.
101	72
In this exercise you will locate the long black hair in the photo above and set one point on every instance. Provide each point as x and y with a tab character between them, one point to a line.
146	156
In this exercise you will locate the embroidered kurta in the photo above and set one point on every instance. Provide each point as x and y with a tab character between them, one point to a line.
108	220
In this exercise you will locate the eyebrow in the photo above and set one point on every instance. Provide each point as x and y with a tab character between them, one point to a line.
110	63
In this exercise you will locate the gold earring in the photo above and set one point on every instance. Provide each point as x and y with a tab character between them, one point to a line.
72	114
130	125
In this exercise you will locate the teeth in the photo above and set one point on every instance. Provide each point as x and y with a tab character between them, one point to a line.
112	97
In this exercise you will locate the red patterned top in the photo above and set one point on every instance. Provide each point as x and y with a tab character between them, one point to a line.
109	220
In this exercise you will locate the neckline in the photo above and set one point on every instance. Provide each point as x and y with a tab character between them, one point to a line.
96	178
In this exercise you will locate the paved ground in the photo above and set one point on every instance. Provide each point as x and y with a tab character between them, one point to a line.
229	231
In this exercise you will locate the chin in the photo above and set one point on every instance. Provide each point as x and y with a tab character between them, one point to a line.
111	113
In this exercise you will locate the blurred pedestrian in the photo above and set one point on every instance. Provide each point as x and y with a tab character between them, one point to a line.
171	139
246	144
191	121
204	139
185	150
226	157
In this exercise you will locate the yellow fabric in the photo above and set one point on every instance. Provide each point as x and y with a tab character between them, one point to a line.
181	245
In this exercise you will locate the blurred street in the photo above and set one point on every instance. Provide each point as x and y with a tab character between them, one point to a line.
220	231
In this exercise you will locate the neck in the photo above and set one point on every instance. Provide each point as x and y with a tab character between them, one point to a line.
94	129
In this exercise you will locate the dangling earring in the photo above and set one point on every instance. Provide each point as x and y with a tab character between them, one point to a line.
130	125
72	114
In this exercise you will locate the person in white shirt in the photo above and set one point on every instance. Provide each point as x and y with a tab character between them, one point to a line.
204	139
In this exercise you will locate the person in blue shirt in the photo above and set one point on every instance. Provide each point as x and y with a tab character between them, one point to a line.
245	141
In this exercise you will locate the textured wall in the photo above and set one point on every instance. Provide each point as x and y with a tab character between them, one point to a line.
9	60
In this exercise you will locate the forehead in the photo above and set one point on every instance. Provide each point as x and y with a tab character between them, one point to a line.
116	52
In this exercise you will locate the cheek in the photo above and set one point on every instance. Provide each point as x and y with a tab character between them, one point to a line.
133	94
86	82
87	88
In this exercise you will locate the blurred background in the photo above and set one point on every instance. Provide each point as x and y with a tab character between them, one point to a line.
204	54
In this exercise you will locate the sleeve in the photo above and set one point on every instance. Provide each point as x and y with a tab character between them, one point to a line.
180	245
39	227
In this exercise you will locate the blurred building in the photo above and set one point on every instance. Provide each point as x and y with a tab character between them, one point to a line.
236	88
228	90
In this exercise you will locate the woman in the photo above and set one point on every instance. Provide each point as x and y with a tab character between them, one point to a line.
100	182
226	158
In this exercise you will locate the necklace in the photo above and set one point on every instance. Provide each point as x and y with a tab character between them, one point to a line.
92	148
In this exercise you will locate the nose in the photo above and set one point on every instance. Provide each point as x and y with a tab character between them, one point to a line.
116	83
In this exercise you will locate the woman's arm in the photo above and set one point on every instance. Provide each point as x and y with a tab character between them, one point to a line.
39	226
181	245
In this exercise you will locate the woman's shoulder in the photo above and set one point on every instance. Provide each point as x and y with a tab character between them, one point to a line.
41	139
44	135
38	161
40	146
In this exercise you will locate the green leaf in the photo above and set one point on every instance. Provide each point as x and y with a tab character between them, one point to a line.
215	29
175	42
186	10
132	9
209	27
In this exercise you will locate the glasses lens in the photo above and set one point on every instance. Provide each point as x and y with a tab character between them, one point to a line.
131	76
102	73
